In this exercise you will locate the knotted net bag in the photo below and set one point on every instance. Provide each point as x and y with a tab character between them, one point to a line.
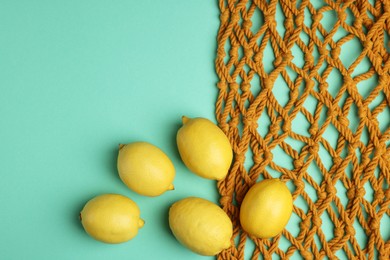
304	96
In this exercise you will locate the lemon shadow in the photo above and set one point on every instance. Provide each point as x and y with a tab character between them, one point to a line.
173	132
111	157
164	220
75	213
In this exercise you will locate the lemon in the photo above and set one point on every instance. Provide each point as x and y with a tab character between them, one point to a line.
204	148
200	225
145	169
266	208
111	218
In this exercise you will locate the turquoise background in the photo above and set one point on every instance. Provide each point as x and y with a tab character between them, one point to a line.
76	79
79	77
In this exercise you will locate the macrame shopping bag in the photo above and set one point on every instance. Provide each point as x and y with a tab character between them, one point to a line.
304	95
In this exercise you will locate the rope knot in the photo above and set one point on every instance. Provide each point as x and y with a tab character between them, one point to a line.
309	58
267	86
323	88
317	221
222	85
288	24
234	122
225	200
299	20
379	195
355	144
313	130
330	189
309	84
305	224
358	22
351	193
355	192
300	185
234	86
337	160
323	50
250	121
363	113
233	52
270	21
278	60
274	128
348	80
224	16
350	230
240	158
360	192
342	16
234	18
225	128
368	45
313	149
344	121
220	51
317	17
268	156
286	126
335	52
287	56
248	52
322	195
245	87
257	159
381	148
298	164
247	24
306	254
338	232
374	223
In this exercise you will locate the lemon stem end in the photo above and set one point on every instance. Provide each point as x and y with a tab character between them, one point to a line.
141	223
184	119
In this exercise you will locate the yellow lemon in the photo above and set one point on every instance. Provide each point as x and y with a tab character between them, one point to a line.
200	225
111	218
145	169
266	208
204	148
